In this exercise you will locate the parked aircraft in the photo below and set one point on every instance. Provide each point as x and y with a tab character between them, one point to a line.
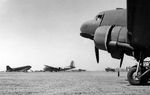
18	69
108	69
57	69
122	32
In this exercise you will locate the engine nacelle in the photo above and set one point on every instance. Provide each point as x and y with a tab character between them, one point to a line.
100	37
114	39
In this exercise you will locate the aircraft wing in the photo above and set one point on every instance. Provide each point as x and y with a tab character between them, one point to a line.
64	69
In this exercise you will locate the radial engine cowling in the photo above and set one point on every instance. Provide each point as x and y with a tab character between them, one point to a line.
100	37
113	39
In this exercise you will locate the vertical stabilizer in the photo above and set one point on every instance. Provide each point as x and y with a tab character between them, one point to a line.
8	68
72	64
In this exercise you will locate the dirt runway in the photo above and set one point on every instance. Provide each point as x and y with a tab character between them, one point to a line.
68	83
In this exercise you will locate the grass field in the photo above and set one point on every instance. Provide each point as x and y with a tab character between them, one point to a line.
68	83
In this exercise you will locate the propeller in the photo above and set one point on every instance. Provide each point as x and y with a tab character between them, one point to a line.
97	54
120	64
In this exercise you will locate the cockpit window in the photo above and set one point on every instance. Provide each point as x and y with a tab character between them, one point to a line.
99	17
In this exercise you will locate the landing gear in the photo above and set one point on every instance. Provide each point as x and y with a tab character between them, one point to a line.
139	74
132	76
136	78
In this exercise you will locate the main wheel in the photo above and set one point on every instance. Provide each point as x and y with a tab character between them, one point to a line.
133	77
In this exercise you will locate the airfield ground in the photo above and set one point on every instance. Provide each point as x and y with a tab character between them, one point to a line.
68	83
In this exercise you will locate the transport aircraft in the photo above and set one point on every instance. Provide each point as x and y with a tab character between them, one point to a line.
57	69
18	69
123	31
108	69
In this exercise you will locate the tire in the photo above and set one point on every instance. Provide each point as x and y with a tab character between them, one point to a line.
135	81
131	78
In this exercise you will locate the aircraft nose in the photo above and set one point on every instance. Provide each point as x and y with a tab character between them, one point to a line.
85	27
88	28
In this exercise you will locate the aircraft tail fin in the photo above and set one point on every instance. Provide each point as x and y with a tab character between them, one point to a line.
72	64
8	68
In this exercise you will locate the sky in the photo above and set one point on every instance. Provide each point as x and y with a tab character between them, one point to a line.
47	32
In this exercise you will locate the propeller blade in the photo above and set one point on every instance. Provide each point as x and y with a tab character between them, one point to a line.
97	54
121	60
118	72
120	64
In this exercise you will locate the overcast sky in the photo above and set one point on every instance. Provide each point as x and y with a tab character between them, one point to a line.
46	32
